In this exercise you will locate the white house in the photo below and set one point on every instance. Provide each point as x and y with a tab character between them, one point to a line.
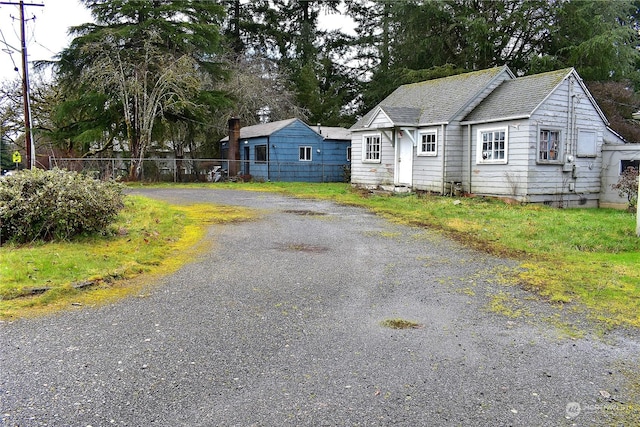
535	139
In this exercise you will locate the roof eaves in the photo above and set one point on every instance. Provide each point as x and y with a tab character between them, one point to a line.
495	120
431	124
569	72
376	111
591	98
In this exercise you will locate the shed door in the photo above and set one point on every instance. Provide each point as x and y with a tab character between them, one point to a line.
247	154
405	161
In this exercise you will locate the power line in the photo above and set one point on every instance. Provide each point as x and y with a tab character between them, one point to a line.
9	50
30	149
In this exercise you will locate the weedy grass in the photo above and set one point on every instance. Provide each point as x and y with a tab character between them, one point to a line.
149	237
589	256
400	324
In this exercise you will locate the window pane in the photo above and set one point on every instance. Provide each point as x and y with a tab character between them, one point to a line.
549	145
372	148
261	153
624	164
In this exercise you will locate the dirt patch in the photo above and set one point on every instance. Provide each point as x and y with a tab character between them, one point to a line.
304	212
302	247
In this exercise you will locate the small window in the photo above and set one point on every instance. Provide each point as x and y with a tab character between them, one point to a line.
624	164
372	149
348	154
492	146
261	153
428	144
305	154
549	146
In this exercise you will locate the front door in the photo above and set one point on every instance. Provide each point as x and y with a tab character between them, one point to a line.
247	153
404	166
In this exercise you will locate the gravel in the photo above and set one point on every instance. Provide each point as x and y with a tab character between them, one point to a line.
279	325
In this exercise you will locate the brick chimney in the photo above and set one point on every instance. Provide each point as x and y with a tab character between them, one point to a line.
234	146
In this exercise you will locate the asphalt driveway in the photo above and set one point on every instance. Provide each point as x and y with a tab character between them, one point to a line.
279	325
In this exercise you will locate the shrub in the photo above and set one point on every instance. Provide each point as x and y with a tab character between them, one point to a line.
55	205
627	186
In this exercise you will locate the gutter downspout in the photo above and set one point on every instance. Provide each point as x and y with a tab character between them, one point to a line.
396	166
571	118
470	157
444	156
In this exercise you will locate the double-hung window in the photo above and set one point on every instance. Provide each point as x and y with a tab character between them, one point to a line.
492	146
428	143
549	146
372	149
305	154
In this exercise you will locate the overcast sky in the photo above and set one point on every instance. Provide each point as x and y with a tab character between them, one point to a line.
46	29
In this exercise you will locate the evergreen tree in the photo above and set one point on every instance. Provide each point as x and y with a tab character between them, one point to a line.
599	39
147	59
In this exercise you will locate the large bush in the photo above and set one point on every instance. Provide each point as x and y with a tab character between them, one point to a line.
55	205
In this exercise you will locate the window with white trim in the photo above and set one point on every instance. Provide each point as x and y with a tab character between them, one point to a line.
428	143
549	146
492	146
348	154
372	148
305	154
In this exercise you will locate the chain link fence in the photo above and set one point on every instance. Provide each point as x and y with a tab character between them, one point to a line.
206	170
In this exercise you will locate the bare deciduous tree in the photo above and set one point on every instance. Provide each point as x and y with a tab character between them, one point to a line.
146	84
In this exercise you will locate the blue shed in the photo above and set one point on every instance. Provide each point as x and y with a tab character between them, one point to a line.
290	150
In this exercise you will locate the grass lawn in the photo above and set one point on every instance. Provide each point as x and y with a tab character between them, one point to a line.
590	256
149	237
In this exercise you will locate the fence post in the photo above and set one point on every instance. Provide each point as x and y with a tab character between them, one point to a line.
638	209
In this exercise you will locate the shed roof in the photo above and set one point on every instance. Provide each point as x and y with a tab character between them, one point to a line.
268	129
333	132
433	101
518	98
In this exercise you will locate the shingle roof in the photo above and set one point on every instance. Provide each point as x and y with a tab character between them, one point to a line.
433	101
263	129
517	98
402	115
331	132
267	129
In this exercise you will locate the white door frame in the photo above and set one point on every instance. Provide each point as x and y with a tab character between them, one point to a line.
404	157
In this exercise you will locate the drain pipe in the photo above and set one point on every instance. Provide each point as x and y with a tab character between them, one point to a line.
470	138
444	156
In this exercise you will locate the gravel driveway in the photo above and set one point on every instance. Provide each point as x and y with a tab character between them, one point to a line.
279	325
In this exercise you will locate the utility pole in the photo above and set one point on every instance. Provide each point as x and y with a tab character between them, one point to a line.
28	134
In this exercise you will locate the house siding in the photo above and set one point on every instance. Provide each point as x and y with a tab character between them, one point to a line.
500	179
612	155
328	156
371	174
557	101
577	182
380	121
455	143
427	170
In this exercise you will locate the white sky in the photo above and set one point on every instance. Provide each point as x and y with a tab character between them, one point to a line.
47	33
